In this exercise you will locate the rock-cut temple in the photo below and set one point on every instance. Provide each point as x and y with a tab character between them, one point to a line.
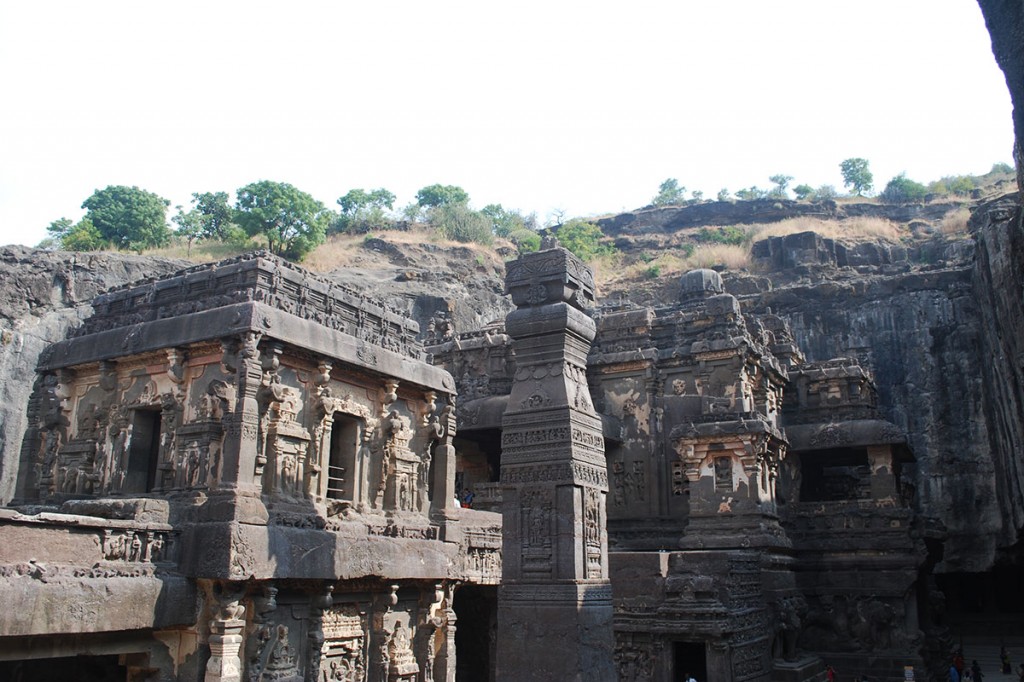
246	472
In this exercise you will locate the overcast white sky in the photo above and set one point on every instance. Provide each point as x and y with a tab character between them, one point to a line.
582	106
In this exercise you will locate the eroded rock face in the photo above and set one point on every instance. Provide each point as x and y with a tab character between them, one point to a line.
43	294
1005	22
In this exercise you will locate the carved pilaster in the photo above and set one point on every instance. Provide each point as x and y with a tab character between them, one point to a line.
319	603
225	641
237	493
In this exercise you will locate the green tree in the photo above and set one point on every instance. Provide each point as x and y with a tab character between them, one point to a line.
503	222
81	236
583	239
292	222
191	226
903	190
460	223
723	194
781	182
825	193
751	193
129	217
803	192
363	211
670	193
439	195
357	199
217	216
1001	168
856	175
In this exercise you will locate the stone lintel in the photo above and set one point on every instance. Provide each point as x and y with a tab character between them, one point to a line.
77	605
232	551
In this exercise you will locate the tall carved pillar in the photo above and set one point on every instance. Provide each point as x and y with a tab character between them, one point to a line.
443	484
554	604
237	496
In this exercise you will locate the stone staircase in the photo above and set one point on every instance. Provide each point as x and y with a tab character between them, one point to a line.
985	649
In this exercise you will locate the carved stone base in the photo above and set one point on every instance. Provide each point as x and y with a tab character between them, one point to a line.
232	505
555	632
805	669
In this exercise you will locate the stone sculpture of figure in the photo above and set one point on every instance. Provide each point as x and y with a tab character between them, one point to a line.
789	626
398	429
135	551
156	548
281	656
287	485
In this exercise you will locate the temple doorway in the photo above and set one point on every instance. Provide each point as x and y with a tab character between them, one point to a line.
689	658
476	608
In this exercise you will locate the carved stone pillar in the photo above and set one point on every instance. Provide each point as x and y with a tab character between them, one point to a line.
443	503
225	664
237	497
444	664
318	603
555	586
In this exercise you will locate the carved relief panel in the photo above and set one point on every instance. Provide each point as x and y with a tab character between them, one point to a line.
536	526
344	648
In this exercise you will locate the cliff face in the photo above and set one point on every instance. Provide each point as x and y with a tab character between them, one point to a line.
44	294
939	321
919	330
998	283
1005	22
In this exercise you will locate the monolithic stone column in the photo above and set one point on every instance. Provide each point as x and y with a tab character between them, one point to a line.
554	604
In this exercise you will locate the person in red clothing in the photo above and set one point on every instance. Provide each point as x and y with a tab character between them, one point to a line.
958	662
830	673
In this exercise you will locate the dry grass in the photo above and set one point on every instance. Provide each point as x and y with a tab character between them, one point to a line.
955	222
340	249
609	270
334	253
858	228
733	257
201	252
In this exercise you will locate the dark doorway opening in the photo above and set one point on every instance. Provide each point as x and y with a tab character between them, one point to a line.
479	468
143	452
78	668
984	603
835	475
343	468
476	607
689	658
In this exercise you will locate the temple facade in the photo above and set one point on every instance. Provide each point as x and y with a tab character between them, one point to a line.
758	522
239	472
247	472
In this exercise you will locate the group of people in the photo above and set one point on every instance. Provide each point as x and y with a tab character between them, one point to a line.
958	672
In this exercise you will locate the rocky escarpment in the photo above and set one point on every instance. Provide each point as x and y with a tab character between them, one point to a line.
429	281
668	219
43	294
938	320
